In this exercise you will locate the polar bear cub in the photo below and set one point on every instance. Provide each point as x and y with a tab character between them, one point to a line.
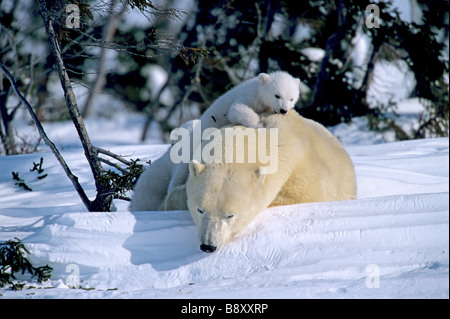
275	92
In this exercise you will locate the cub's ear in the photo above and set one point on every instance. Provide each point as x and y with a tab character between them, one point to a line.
260	174
298	82
263	78
196	168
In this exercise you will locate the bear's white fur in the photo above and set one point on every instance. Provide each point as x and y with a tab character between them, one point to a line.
275	92
151	187
224	198
313	166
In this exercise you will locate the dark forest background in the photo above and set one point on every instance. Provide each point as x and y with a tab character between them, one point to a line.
202	48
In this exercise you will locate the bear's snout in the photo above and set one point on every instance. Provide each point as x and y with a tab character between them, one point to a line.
208	248
283	111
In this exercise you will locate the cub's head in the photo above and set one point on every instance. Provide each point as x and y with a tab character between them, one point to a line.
222	199
279	90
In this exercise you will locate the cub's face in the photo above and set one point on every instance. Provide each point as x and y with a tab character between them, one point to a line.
221	202
279	90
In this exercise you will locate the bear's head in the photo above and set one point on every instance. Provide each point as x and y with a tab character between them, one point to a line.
279	91
223	199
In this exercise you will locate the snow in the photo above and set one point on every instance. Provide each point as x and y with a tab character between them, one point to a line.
314	54
391	242
392	83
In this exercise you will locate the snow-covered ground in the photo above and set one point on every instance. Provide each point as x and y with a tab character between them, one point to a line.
391	242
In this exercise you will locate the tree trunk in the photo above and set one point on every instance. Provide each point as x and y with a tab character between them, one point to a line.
333	100
103	199
108	35
6	131
332	46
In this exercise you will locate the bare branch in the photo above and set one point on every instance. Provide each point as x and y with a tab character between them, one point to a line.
195	86
47	141
111	154
104	160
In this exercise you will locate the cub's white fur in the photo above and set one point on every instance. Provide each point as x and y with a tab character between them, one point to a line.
275	92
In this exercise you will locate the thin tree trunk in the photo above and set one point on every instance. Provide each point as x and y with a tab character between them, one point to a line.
151	112
6	131
103	199
333	45
108	35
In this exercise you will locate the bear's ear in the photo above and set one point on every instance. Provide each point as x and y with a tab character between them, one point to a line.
263	78
261	174
196	168
298	82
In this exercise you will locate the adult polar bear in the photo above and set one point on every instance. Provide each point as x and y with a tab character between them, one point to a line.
223	198
270	93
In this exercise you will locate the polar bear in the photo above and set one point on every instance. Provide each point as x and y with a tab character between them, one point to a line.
151	187
223	198
275	92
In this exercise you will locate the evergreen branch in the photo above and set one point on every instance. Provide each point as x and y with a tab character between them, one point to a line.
13	260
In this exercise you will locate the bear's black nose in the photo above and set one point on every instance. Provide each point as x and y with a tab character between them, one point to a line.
283	111
208	248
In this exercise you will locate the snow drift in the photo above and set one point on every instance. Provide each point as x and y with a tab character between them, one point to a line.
391	242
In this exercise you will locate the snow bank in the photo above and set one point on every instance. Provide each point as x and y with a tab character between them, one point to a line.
392	242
